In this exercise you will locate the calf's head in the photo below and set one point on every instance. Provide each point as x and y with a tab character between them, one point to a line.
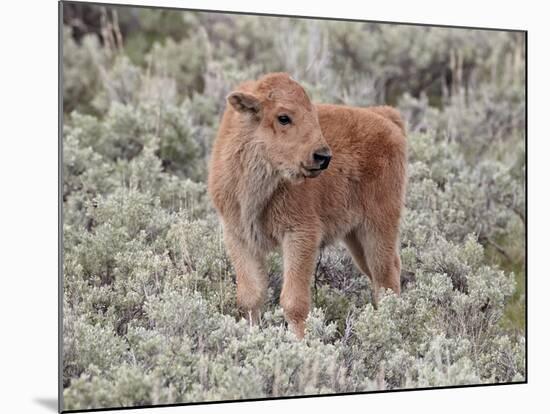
284	125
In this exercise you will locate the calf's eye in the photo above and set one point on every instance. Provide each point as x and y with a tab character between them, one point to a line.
284	119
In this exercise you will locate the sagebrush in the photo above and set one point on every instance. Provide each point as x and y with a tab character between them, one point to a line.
149	314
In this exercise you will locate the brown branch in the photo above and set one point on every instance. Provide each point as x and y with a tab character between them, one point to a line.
499	249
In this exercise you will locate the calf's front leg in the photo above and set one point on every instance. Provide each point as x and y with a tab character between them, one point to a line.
251	277
299	254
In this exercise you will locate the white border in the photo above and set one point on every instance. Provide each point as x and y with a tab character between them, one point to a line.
29	204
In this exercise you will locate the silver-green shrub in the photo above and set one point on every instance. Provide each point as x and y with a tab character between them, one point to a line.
149	292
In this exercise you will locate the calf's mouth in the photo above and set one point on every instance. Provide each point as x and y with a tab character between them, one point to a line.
311	172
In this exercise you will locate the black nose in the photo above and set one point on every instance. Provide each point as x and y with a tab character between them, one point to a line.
323	158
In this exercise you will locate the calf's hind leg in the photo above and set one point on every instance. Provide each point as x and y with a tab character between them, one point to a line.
353	243
382	255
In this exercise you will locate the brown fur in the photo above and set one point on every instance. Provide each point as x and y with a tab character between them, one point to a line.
264	185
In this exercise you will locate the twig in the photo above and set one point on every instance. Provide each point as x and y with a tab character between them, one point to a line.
520	214
499	249
315	274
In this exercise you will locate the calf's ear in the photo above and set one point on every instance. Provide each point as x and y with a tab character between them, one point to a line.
245	103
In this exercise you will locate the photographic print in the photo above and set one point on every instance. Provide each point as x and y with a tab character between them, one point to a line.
261	206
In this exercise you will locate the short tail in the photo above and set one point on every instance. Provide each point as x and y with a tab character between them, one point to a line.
392	114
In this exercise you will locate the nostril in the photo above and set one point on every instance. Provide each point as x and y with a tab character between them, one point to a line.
325	163
319	157
323	159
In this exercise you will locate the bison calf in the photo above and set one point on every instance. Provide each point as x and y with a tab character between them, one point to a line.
291	174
